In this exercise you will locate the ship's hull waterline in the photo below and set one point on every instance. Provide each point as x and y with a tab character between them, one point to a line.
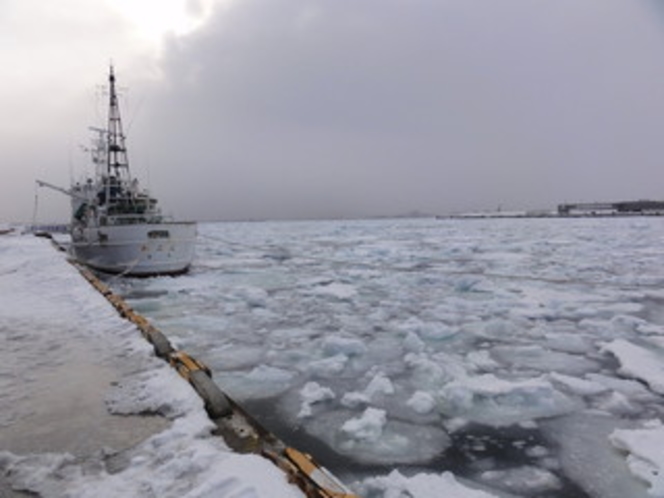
139	250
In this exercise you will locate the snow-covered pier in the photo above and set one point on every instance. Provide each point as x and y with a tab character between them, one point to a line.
90	412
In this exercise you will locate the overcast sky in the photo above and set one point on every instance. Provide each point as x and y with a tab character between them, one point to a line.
241	109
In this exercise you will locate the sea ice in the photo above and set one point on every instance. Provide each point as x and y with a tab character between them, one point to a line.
645	453
348	346
337	290
328	367
588	458
433	304
313	393
426	330
575	385
422	402
424	485
368	427
413	344
639	362
497	402
430	372
541	359
371	437
527	480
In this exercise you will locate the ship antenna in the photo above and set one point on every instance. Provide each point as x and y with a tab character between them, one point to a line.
117	162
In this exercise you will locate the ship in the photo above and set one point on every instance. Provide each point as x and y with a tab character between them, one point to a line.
116	225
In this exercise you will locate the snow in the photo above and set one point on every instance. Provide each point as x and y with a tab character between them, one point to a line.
53	322
404	354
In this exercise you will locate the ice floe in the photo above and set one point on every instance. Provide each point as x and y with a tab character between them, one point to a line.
639	362
645	449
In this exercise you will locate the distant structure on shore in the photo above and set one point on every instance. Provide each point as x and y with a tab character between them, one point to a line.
612	208
576	210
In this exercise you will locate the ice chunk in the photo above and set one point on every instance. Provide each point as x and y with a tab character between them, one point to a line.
368	427
650	329
630	388
481	360
265	373
617	404
354	399
498	402
234	356
627	323
543	360
645	449
428	331
638	362
339	290
379	384
527	480
328	367
580	387
429	372
588	458
343	345
373	438
255	297
422	402
421	485
312	393
263	381
412	343
569	342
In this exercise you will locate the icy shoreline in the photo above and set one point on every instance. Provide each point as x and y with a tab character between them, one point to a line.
46	308
148	434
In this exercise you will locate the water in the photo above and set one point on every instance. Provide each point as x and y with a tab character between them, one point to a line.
429	345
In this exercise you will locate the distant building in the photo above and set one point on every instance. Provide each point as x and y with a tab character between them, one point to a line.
612	208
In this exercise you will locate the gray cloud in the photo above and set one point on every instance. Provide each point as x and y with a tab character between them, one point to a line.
319	107
297	107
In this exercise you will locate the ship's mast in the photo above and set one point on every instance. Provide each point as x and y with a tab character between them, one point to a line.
117	162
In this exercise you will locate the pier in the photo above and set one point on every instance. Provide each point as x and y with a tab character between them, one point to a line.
64	402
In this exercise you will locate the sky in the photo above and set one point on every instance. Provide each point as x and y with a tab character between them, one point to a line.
255	109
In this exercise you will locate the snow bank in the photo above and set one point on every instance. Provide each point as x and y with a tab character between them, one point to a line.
51	311
174	465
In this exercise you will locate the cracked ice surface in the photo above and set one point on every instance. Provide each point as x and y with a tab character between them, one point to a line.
487	348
